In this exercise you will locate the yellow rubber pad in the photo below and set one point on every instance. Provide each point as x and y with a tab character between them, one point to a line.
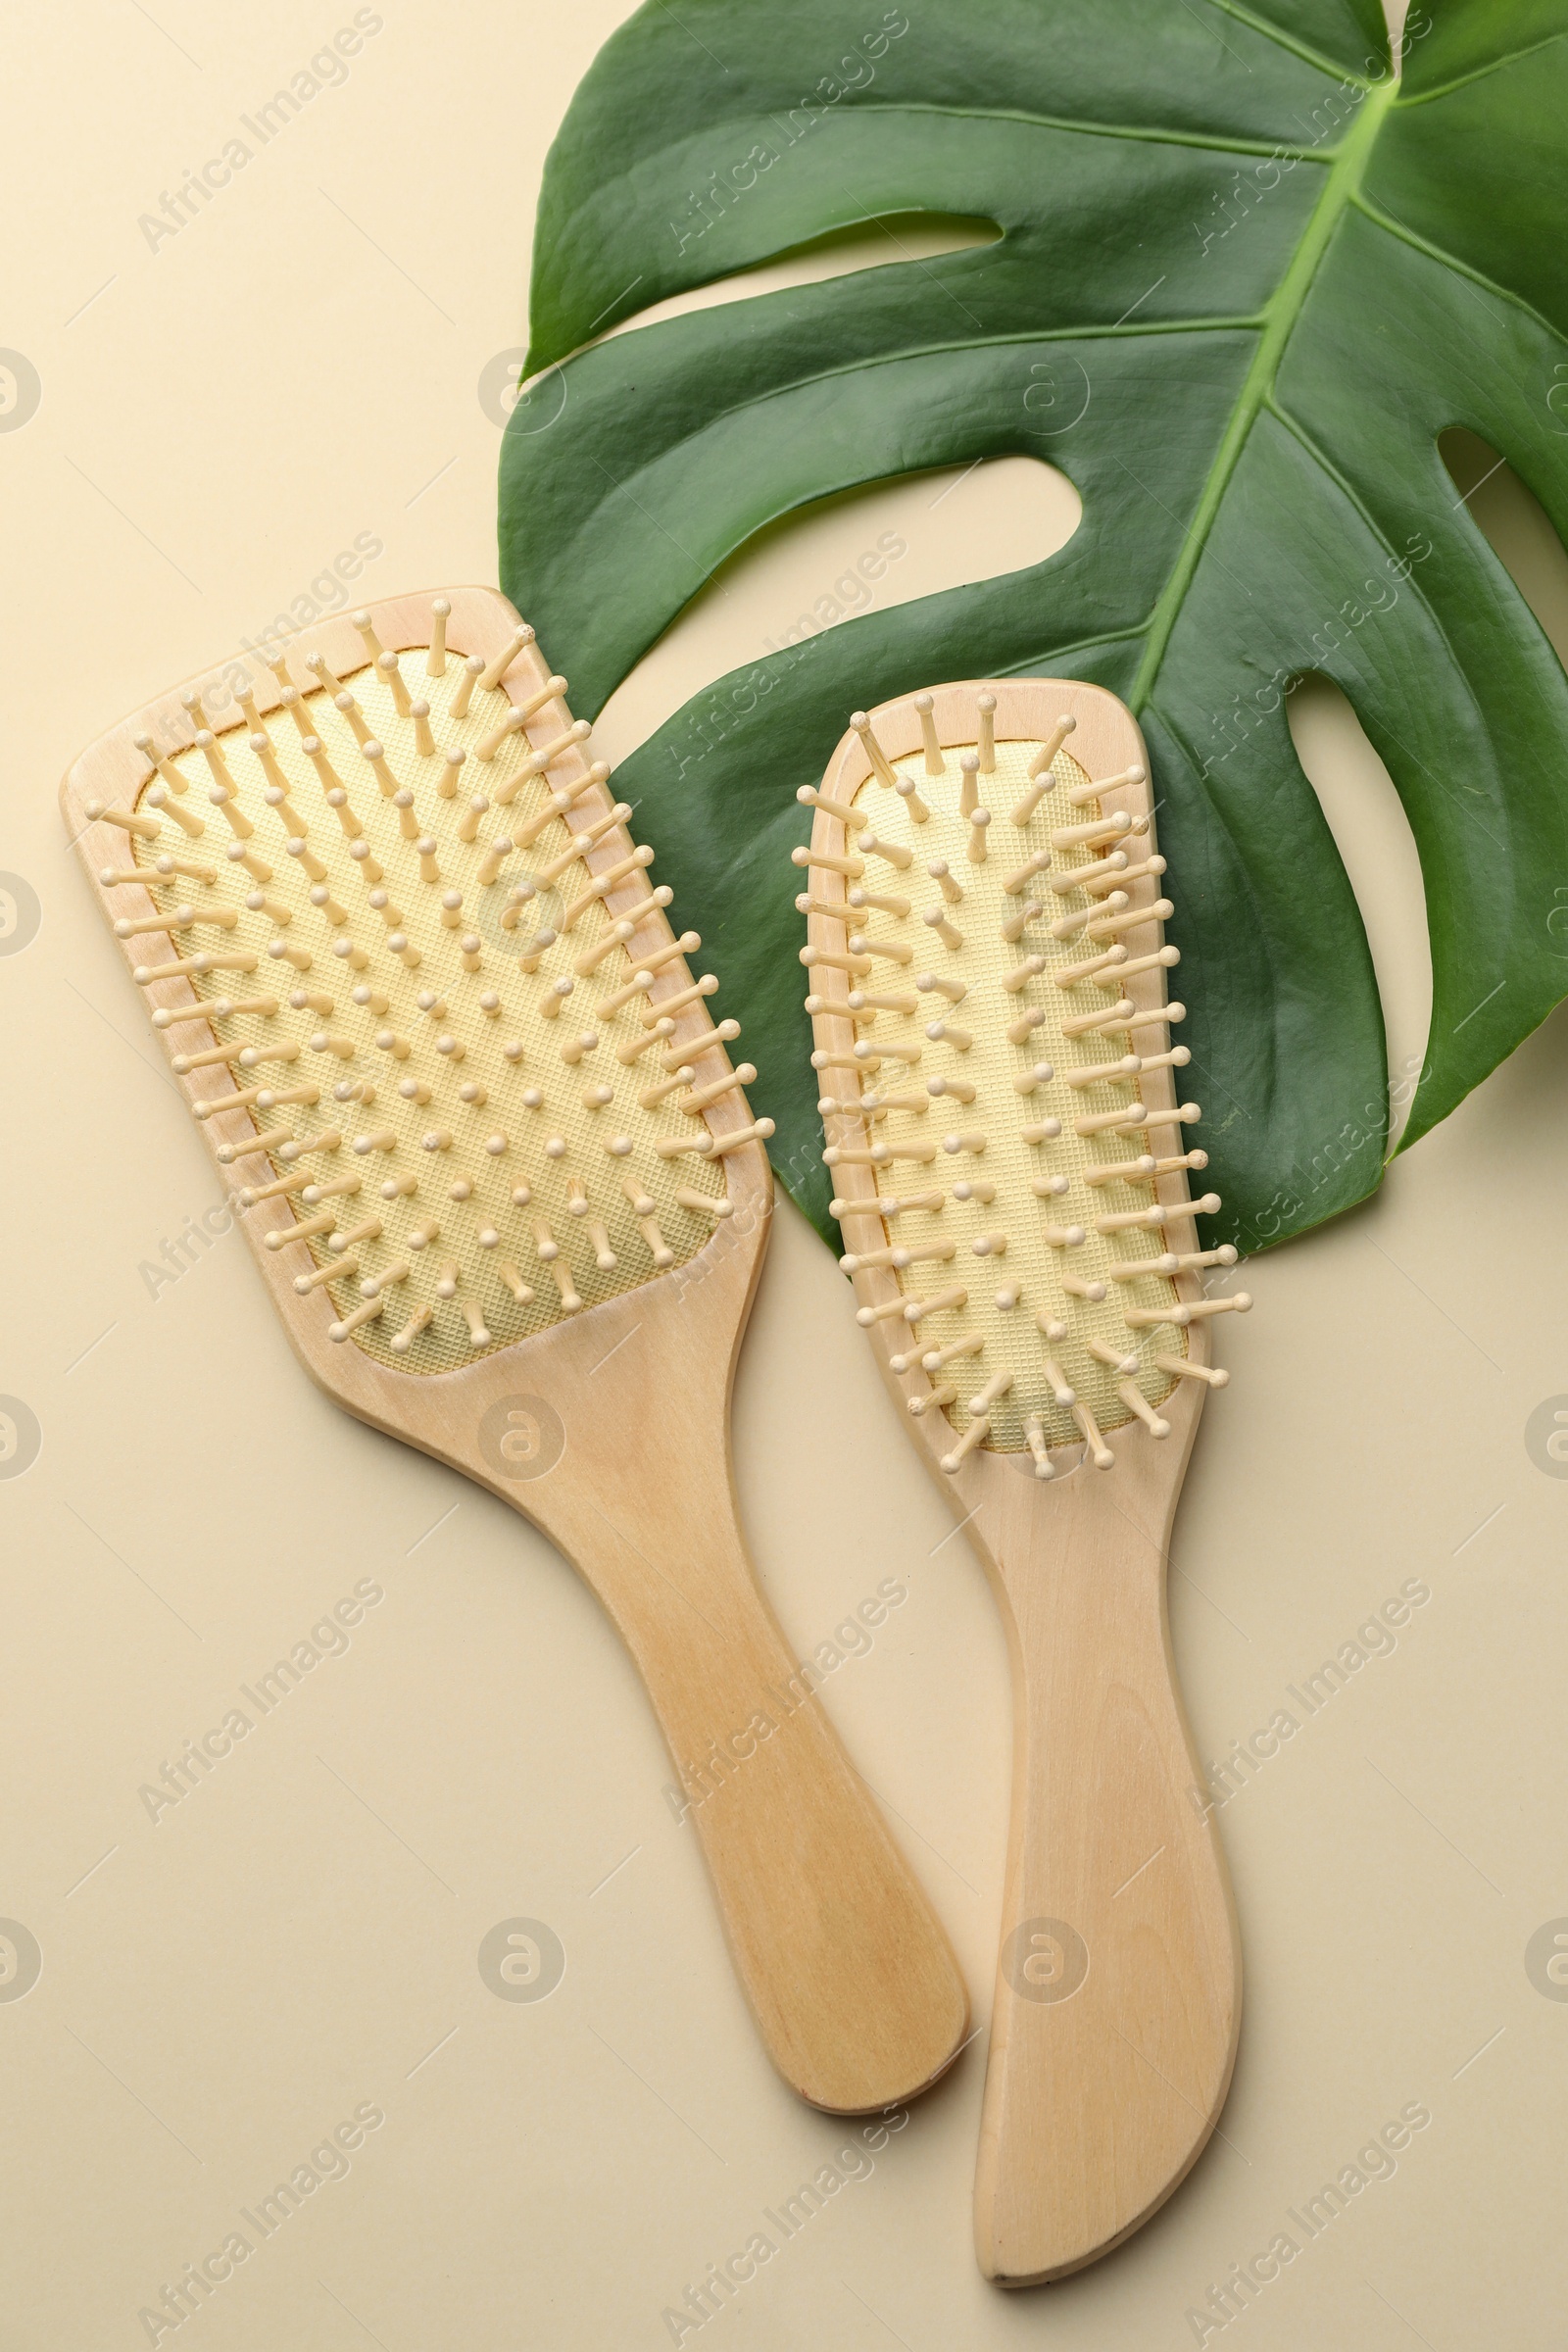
1028	1270
531	1103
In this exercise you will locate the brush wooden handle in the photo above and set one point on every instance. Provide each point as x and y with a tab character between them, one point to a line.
1118	1978
850	1977
852	1981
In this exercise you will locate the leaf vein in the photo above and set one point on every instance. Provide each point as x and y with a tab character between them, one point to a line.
1462	82
1282	40
1381	218
1150	133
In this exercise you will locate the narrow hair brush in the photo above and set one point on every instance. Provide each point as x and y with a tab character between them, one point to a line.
988	972
506	1194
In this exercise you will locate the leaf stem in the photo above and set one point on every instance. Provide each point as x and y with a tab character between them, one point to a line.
1284	309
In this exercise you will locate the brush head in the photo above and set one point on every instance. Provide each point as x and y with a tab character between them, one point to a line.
417	976
996	1054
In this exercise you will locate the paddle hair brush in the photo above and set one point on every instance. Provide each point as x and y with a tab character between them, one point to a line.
504	1187
988	969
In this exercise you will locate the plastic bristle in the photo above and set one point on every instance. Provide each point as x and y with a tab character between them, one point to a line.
1064	1086
399	1047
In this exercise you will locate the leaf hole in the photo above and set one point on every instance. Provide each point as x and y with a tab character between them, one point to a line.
878	244
866	550
1377	848
1515	525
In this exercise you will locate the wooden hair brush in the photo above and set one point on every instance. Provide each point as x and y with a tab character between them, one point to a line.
988	970
506	1192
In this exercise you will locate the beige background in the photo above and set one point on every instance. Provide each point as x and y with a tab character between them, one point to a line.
298	1936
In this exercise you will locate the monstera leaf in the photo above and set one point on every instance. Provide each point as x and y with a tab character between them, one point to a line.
1245	278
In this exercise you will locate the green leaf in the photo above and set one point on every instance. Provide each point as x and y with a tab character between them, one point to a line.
1245	281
